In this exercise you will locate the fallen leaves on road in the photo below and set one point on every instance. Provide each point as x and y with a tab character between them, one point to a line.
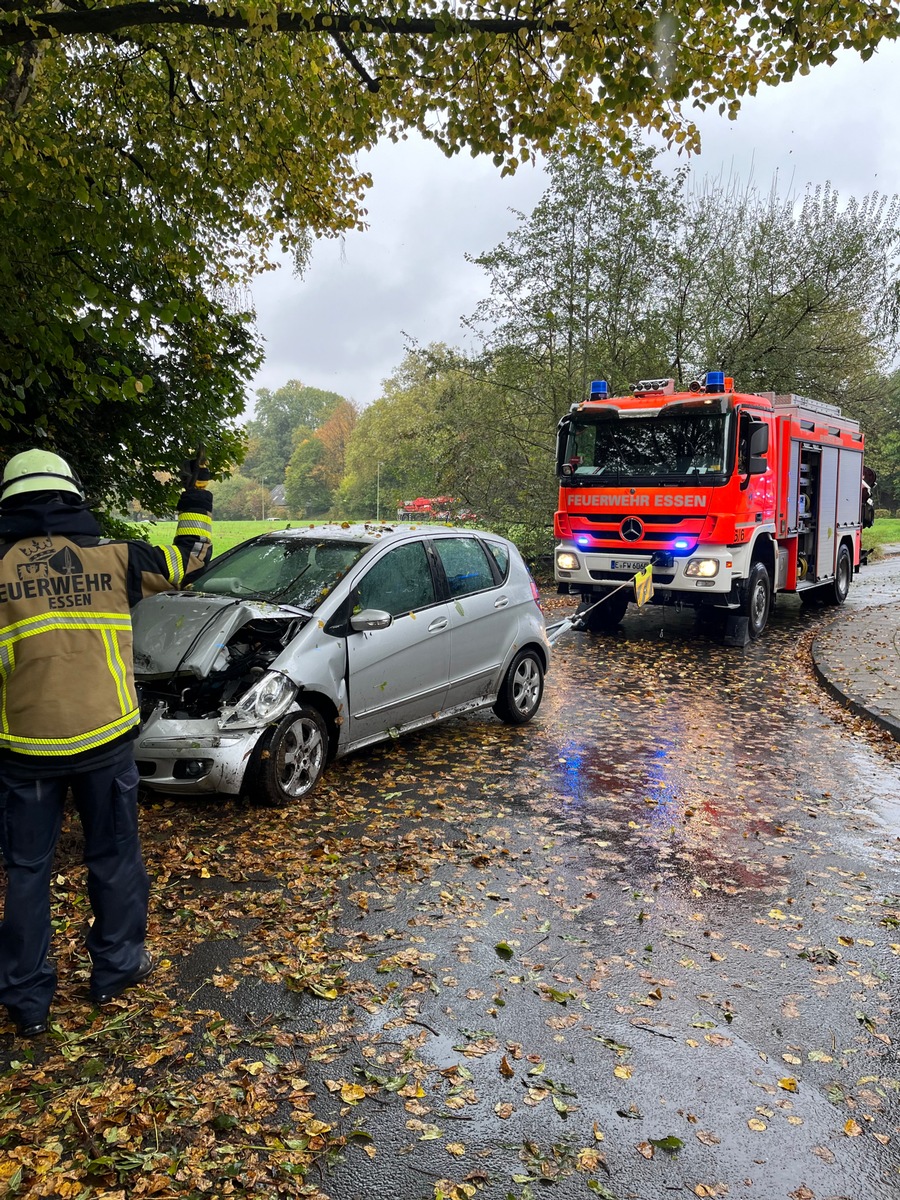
479	923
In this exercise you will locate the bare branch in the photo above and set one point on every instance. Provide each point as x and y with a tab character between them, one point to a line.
373	85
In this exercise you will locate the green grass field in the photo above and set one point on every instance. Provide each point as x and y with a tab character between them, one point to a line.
884	531
225	533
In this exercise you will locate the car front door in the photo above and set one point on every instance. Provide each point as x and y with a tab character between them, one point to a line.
398	675
483	617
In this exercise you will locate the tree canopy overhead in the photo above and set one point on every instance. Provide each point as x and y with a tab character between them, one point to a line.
499	77
151	153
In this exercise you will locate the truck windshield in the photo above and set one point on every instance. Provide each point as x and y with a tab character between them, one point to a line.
661	449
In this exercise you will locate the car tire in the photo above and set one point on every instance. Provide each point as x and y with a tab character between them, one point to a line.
291	759
522	688
757	599
836	591
607	616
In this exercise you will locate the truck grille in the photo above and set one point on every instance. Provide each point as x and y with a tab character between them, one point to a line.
660	532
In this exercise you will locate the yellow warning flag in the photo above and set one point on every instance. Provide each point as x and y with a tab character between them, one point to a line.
643	585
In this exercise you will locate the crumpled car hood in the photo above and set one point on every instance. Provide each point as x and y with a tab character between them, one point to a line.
186	634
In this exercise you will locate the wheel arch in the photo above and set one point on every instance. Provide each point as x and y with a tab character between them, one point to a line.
764	552
846	539
329	712
529	644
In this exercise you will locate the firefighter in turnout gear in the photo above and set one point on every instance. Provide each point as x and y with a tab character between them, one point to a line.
68	716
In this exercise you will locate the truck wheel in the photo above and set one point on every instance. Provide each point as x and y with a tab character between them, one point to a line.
836	591
291	758
606	616
520	692
757	599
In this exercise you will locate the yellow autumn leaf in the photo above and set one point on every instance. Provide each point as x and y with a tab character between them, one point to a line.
756	1124
457	1149
315	1128
852	1129
204	873
623	1072
788	1084
352	1092
255	1068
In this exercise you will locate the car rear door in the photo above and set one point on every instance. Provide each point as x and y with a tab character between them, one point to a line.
483	616
400	674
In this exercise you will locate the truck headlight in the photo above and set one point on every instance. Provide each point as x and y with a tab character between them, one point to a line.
268	699
566	561
704	568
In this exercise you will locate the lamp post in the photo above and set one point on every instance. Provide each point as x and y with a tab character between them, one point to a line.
378	491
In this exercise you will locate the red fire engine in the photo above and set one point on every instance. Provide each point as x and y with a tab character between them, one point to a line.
730	496
434	508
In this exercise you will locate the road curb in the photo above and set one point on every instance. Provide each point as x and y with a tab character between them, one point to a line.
843	668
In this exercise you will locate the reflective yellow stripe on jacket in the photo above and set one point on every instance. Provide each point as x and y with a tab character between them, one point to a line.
108	625
73	745
194	525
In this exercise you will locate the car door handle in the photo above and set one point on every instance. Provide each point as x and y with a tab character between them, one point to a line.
502	602
438	623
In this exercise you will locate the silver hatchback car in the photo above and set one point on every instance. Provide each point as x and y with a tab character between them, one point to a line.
302	645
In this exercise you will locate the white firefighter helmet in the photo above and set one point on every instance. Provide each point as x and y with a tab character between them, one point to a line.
38	471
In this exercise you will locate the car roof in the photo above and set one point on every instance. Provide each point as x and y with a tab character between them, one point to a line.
367	531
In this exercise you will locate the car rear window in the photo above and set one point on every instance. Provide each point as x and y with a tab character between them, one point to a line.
500	554
465	565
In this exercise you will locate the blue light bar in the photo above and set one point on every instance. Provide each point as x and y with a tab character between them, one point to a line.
599	387
681	543
583	541
715	381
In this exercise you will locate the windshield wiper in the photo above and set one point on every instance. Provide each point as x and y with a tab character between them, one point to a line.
287	587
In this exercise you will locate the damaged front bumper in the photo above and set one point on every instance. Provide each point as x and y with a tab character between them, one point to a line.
193	755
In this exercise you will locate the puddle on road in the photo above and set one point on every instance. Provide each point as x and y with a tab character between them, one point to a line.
690	761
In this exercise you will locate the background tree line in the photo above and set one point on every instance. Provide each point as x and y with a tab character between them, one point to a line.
153	155
619	277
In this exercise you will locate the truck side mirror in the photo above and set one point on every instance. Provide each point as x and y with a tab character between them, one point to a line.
759	444
759	439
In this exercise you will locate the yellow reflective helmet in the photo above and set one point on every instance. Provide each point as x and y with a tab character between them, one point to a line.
38	471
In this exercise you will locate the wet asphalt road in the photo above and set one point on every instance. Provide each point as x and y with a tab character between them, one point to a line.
690	863
647	946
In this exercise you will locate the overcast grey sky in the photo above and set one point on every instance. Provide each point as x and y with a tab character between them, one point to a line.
343	326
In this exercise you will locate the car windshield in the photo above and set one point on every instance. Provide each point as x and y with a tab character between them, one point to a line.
299	571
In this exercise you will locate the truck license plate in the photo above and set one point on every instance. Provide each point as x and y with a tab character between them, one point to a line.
626	564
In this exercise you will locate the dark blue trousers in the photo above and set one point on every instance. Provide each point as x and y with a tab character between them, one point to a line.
31	813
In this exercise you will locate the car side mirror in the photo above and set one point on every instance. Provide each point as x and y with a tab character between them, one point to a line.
758	466
369	619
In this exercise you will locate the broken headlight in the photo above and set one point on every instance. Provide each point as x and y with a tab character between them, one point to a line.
266	701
